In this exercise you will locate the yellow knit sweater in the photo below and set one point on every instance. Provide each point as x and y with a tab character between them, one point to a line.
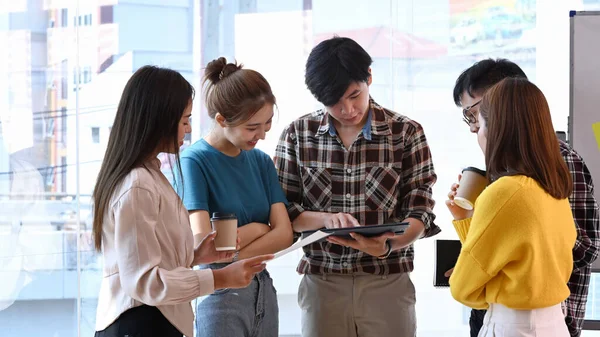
516	249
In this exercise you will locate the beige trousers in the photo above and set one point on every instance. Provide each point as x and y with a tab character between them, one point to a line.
357	306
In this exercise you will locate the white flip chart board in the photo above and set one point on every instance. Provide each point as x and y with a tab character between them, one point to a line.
584	114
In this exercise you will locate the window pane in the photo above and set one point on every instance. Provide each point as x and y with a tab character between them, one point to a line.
95	135
38	215
57	82
120	38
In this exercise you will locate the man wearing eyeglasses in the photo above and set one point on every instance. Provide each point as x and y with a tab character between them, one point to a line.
468	91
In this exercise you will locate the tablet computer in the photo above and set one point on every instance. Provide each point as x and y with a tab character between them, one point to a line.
367	231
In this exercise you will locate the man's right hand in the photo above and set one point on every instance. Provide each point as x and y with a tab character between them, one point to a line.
239	274
341	220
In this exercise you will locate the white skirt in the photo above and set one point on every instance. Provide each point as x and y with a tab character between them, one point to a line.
501	321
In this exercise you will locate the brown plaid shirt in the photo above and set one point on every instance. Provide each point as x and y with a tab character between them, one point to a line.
385	176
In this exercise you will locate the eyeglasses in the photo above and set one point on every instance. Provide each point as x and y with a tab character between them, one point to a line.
468	116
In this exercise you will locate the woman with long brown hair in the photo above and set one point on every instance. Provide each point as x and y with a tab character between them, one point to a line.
517	242
140	224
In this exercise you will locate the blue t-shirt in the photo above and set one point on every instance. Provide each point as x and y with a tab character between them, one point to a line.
246	185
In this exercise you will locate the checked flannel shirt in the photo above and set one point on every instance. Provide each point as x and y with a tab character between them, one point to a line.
385	176
587	222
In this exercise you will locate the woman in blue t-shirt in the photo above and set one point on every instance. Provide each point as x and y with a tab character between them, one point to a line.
225	173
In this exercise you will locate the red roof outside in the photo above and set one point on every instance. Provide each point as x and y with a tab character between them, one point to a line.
377	40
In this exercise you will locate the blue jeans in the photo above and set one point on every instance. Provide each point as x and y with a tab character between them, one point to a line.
247	312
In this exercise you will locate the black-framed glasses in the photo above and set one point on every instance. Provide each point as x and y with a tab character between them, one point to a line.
468	116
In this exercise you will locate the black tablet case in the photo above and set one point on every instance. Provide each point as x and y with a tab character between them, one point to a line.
367	231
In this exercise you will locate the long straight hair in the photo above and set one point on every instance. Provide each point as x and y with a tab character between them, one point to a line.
147	120
520	136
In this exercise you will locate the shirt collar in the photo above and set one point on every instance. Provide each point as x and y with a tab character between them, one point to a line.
366	130
376	123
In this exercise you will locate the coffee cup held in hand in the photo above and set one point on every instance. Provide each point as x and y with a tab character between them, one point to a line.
472	183
225	224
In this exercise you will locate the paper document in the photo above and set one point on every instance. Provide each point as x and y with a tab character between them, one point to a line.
316	236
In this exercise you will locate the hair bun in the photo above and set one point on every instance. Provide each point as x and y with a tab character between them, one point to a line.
218	69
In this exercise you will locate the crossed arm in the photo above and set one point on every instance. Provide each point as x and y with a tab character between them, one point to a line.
255	238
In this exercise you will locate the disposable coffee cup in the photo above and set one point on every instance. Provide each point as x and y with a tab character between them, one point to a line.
225	224
472	183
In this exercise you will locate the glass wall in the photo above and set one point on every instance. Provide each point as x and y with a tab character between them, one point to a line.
65	63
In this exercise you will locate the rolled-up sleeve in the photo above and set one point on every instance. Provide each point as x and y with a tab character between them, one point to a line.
286	163
585	211
139	254
418	178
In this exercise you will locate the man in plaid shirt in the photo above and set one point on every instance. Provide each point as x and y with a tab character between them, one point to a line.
468	91
355	163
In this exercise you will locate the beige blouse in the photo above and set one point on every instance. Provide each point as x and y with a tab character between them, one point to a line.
147	245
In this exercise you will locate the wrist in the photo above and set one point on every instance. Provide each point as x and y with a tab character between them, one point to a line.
220	280
197	259
326	218
388	251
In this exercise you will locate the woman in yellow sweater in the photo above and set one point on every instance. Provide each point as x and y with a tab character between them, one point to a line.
517	243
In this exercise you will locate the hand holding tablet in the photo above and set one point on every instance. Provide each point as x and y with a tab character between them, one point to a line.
309	237
366	231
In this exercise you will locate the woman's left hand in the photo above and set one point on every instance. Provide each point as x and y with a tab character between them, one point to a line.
206	251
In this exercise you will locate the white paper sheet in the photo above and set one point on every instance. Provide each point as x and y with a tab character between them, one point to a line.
316	236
